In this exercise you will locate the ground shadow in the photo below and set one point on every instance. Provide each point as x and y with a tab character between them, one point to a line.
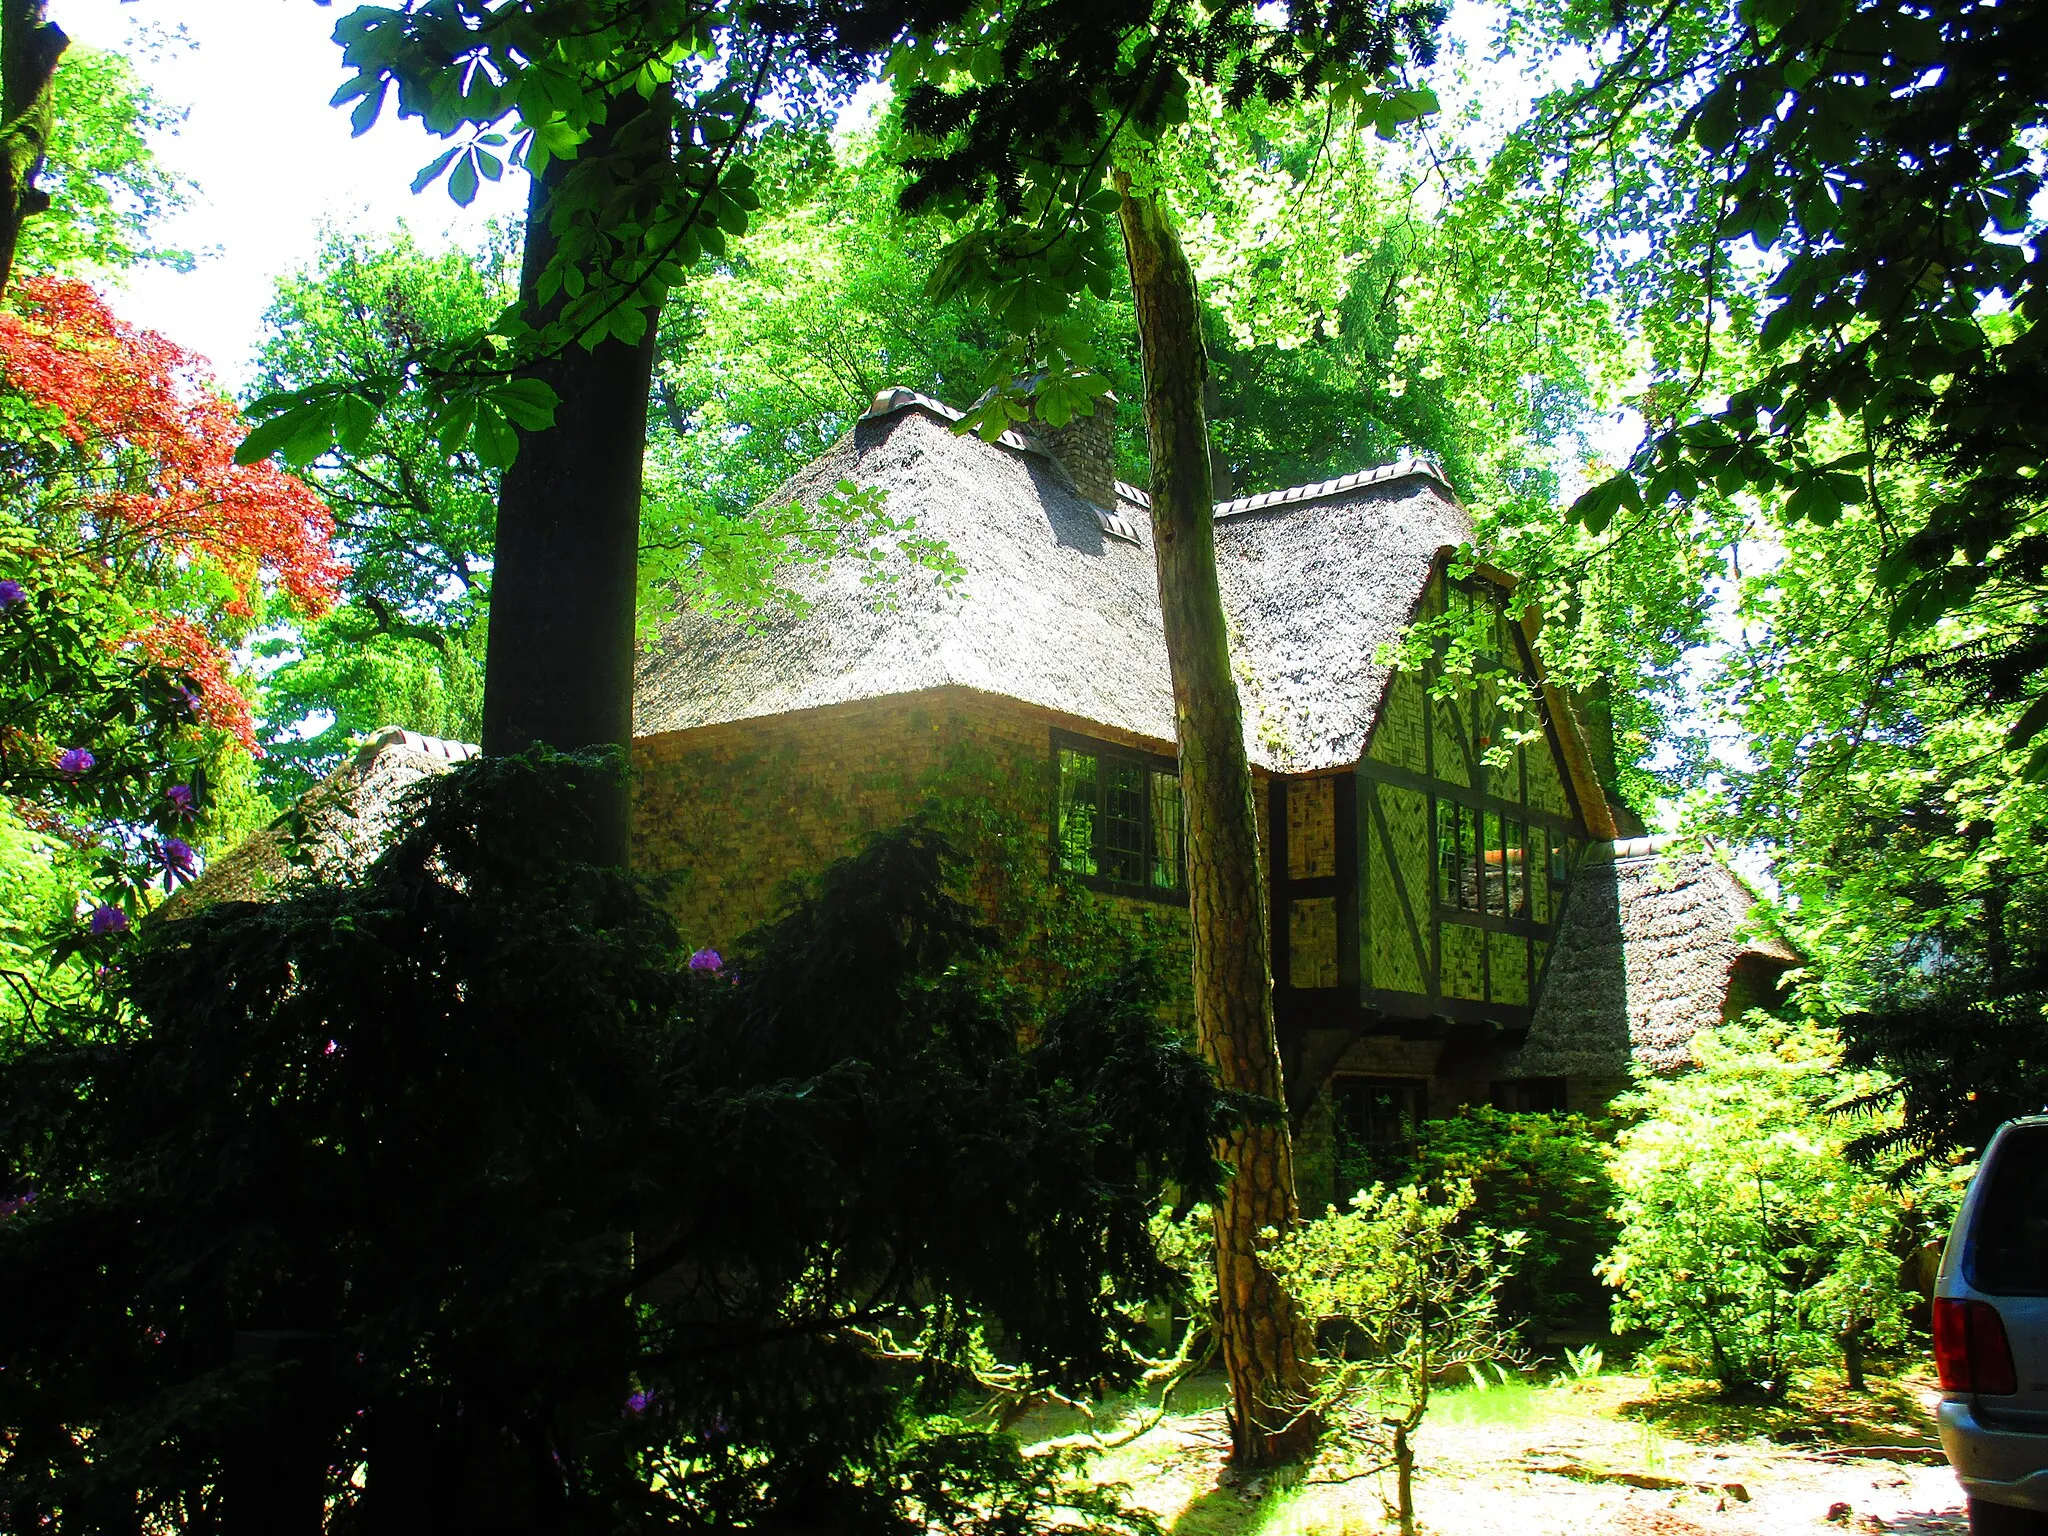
1927	1522
1822	1411
1232	1508
1219	1512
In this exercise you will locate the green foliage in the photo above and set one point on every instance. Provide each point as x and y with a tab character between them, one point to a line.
1404	1288
1542	1175
770	354
1751	1244
351	673
107	191
39	879
415	521
1898	307
1960	1057
72	682
1908	854
616	1232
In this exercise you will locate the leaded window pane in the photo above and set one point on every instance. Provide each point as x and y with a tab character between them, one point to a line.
1168	834
1514	856
1077	811
1121	848
1450	875
1493	864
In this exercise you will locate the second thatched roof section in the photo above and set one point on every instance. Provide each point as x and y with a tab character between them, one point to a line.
1657	943
337	828
1058	605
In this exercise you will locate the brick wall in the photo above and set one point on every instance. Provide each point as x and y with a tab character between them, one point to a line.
733	811
1086	448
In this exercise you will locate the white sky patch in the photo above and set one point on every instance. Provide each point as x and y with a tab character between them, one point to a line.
273	163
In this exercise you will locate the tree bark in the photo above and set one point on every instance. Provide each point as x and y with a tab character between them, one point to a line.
559	666
1852	1354
1265	1344
29	50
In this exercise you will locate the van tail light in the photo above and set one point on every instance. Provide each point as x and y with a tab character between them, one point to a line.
1971	1352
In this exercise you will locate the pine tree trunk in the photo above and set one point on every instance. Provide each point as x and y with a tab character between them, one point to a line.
559	669
29	49
1265	1345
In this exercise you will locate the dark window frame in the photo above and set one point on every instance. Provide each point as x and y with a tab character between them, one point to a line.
1409	1110
1150	763
1532	1095
1448	803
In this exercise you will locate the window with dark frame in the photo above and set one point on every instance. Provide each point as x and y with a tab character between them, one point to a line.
1482	861
1376	1122
1120	822
1530	1095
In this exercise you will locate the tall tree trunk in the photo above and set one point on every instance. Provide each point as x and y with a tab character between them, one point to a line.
29	50
1265	1345
559	668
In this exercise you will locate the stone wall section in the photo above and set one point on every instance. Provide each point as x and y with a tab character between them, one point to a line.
734	811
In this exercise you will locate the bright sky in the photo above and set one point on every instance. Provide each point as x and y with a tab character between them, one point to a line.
273	162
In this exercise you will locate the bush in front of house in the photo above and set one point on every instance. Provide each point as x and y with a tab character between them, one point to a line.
464	1192
1752	1247
1545	1176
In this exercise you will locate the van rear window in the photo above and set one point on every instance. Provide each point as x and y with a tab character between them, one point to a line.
2009	1238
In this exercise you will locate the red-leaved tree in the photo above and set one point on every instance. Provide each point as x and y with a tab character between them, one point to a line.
135	555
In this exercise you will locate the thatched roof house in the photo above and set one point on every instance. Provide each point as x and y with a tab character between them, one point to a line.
1658	942
1452	919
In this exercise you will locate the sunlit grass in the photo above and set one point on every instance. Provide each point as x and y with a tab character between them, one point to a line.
1510	1405
1311	1511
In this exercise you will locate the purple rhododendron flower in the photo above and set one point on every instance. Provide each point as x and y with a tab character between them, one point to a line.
108	919
333	1048
74	761
707	960
181	798
8	1207
11	595
637	1403
179	861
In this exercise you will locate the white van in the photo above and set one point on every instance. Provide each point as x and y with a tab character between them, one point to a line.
1991	1336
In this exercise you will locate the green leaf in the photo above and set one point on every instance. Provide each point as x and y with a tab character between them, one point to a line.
495	441
354	420
266	438
2030	724
366	113
453	425
528	403
462	184
1596	508
427	177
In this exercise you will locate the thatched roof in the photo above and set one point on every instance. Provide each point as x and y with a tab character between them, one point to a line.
1059	605
1651	938
337	827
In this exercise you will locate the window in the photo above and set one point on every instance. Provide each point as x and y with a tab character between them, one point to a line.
1377	1120
1120	821
1530	1095
1482	860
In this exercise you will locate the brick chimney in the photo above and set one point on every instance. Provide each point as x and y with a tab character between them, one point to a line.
1086	449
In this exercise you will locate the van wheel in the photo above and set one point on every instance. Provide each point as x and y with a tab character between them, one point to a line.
2004	1520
